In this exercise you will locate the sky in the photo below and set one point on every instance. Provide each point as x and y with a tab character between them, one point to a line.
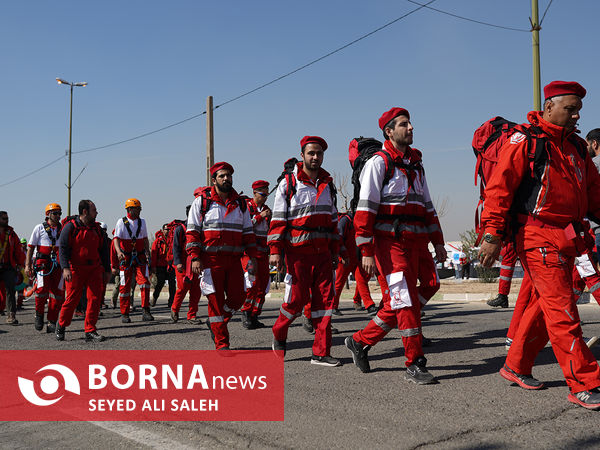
150	64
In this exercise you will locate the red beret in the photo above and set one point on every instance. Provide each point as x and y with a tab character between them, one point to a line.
557	88
259	184
220	166
392	114
315	140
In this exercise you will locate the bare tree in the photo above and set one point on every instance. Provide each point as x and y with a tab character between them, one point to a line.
341	183
441	205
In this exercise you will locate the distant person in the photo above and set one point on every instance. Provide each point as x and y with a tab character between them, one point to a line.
161	267
133	251
551	195
50	283
593	142
508	260
12	259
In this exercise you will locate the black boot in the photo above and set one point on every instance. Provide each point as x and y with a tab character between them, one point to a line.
146	316
501	300
39	322
60	333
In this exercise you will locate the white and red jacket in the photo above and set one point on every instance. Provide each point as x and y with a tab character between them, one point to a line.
402	209
306	222
261	225
43	242
222	230
126	239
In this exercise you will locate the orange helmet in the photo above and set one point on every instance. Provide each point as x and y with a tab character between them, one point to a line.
52	207
132	203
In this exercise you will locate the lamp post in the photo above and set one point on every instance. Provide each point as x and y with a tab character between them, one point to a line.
82	84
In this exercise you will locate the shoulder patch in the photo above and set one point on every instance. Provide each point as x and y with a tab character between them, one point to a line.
517	138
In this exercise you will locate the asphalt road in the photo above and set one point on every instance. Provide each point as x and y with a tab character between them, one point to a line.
471	407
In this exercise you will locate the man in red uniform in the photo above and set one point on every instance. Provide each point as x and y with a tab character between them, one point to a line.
11	258
131	246
219	230
187	281
394	224
50	285
347	233
258	275
84	260
161	267
304	226
552	184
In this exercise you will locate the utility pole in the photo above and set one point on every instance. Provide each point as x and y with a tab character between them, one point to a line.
535	38
210	139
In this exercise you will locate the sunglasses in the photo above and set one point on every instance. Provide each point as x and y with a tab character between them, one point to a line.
262	194
56	213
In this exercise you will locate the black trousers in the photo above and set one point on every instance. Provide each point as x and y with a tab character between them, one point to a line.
9	276
165	273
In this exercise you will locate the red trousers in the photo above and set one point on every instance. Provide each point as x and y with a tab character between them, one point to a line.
185	285
508	258
551	314
51	289
429	281
82	277
399	263
224	275
309	281
523	299
255	295
141	278
362	283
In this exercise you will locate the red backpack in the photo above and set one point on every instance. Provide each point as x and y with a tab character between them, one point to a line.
487	143
171	226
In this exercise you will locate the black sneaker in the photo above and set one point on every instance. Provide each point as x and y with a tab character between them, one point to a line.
372	310
60	333
418	373
358	306
307	325
359	354
51	327
257	324
525	381
337	312
146	315
195	321
588	399
39	322
174	316
328	361
279	346
501	300
125	318
94	336
334	330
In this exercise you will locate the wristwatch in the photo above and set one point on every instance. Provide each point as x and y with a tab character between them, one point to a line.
490	238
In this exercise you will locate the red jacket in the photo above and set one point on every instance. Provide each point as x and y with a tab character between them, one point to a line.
405	199
223	229
10	248
311	208
261	226
159	250
570	187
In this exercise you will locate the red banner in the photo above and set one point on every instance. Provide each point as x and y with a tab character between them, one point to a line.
163	385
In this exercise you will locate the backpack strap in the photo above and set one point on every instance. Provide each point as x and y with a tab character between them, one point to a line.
290	191
48	230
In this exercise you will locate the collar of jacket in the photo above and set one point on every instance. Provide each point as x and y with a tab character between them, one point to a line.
412	154
555	132
231	202
323	176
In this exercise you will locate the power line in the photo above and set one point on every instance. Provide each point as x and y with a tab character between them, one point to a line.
544	15
262	86
33	171
468	19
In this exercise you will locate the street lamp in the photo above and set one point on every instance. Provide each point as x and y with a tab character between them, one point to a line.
82	84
